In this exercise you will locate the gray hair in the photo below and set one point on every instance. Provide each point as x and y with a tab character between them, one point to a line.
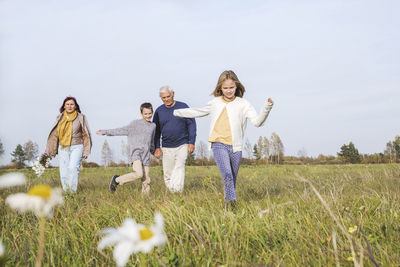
166	88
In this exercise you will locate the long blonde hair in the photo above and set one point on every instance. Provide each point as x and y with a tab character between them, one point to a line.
228	75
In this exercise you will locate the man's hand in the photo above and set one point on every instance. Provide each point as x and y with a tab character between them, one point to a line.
270	101
99	132
158	153
190	148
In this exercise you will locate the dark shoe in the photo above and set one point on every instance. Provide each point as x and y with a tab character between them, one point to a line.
113	184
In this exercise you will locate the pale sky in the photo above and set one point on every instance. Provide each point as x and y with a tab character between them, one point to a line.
331	67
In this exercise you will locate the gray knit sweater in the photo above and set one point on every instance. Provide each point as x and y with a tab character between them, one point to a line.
140	139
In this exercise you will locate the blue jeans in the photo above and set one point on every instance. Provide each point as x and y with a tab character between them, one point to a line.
228	163
70	161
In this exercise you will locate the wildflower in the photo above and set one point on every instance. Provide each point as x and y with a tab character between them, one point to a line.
40	165
353	229
1	249
133	238
40	199
152	236
12	179
350	258
45	160
38	168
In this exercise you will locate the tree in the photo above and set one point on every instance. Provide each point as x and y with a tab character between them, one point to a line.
125	150
302	153
396	145
277	148
260	145
390	152
248	149
256	152
106	154
349	153
1	149
267	148
201	152
31	150
19	156
190	159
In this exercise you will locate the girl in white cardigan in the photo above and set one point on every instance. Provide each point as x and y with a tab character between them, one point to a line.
229	114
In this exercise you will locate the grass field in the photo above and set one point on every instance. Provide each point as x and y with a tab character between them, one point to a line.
297	230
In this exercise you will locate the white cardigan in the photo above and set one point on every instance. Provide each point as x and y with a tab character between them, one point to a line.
239	110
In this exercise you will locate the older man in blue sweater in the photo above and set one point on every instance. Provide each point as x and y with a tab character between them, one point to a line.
178	136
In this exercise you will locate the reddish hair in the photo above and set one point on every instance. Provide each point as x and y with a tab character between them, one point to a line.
77	108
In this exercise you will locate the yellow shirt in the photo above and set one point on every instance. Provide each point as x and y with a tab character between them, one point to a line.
222	130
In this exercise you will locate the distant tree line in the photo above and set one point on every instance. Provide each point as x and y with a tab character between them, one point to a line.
271	151
264	151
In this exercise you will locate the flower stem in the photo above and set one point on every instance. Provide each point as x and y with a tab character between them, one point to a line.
39	258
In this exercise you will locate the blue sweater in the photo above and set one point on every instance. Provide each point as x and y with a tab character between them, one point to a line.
174	131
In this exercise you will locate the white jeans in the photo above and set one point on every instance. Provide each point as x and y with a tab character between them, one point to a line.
174	159
70	161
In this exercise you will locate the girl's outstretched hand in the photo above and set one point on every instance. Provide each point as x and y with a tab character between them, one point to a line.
270	101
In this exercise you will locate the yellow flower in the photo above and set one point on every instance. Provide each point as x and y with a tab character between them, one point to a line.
145	234
151	236
40	199
349	259
353	229
43	191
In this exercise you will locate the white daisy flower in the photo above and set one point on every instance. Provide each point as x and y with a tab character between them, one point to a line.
1	249
12	179
47	162
124	238
151	236
132	238
40	199
38	168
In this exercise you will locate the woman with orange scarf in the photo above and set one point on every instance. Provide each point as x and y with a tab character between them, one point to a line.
70	138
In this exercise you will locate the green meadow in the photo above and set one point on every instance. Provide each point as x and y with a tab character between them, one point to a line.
286	216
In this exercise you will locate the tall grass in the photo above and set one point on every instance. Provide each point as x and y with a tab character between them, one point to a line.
201	232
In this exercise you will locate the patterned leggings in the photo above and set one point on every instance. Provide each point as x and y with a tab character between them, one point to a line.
228	164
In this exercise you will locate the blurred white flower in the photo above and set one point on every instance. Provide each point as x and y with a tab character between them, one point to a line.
1	249
40	199
12	179
152	236
132	238
124	239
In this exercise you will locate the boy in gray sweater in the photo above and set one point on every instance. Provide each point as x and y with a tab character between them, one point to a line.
140	135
